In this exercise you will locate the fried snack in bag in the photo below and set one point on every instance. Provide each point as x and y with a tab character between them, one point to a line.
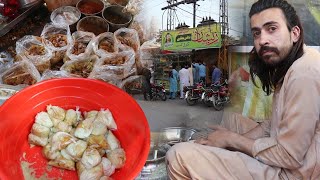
128	39
57	39
32	49
22	72
81	67
81	47
104	44
49	74
121	65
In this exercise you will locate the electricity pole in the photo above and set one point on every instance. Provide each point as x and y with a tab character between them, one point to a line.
171	6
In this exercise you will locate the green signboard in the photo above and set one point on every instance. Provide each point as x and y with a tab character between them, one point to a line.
192	38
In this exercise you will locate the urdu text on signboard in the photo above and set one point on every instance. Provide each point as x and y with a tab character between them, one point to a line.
203	37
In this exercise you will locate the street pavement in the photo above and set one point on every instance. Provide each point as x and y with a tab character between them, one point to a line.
177	113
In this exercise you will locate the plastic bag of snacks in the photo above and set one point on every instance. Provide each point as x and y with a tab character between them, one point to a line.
133	7
80	67
57	39
106	77
32	49
22	72
105	44
49	74
6	61
133	84
81	47
128	39
120	64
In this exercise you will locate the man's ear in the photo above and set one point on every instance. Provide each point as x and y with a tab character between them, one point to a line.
295	33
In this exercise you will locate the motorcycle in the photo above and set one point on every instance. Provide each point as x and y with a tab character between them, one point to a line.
217	96
193	93
158	91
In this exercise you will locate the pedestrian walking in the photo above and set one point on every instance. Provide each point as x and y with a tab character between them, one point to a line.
184	79
216	74
173	80
202	72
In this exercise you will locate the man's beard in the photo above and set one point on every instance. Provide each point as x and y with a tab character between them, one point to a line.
266	57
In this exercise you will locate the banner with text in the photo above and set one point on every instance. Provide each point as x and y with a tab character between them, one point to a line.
192	38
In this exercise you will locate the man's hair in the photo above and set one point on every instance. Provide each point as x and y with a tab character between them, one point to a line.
272	76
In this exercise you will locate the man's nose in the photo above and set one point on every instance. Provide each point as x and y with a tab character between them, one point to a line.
264	39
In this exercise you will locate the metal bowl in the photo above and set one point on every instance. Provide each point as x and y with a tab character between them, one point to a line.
116	18
90	7
174	135
94	24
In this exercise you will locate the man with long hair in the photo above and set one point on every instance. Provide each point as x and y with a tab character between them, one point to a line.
288	145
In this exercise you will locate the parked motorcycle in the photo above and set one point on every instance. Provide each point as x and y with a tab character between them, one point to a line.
193	93
217	95
158	91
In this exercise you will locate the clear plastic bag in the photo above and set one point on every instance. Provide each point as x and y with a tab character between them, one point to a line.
31	48
49	74
139	28
105	44
80	67
147	52
121	65
133	84
128	39
6	61
81	47
22	72
57	39
133	7
106	77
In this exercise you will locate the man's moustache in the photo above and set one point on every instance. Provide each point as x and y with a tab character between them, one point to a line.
268	48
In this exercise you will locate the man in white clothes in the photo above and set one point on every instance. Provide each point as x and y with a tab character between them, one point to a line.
184	79
191	71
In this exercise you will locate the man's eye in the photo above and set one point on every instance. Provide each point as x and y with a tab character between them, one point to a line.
256	33
272	28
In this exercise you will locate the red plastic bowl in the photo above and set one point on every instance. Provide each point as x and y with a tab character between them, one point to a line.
17	116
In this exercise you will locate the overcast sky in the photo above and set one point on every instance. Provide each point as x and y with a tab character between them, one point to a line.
152	13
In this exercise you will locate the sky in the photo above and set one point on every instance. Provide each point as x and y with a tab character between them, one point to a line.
152	15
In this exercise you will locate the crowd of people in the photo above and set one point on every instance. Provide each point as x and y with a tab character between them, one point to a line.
189	75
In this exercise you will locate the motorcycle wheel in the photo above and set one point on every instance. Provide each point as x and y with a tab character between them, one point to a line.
146	96
218	106
207	101
163	96
190	101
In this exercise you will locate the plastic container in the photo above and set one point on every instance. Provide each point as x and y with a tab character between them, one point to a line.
17	116
116	18
66	15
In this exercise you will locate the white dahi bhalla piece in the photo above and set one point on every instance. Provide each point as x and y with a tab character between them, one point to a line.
44	119
106	117
91	114
63	127
72	116
108	168
63	163
56	113
35	140
46	151
76	150
84	128
113	142
117	158
90	158
92	173
61	140
40	130
99	140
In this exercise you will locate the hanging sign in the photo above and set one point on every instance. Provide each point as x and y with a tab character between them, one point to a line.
192	38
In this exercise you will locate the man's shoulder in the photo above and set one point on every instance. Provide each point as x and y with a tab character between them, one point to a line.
309	63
